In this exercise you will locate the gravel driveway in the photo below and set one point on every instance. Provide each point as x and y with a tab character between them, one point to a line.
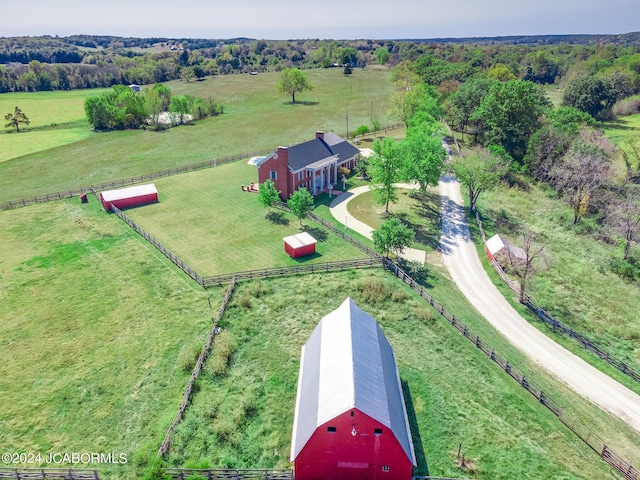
461	258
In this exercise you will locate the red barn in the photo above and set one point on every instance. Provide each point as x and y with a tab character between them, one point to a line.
350	420
299	245
129	197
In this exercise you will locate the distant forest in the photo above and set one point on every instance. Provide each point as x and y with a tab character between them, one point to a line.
86	61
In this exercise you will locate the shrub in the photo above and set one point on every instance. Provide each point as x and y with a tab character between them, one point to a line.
245	301
374	290
399	296
626	107
222	349
628	269
424	315
188	356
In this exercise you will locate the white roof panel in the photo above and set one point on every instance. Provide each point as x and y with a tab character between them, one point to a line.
129	192
298	240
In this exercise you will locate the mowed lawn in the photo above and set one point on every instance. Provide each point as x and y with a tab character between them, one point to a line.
92	320
206	219
256	118
56	119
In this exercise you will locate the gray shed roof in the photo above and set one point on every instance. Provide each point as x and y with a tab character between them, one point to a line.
306	153
348	363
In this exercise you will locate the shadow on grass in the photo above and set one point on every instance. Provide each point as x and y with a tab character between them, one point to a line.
277	218
421	458
304	103
320	234
306	258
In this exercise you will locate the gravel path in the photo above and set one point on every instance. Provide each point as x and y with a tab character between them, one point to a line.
461	258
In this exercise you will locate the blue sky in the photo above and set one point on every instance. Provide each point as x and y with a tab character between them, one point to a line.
339	19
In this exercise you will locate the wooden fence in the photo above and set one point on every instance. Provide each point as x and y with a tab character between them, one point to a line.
49	473
161	248
166	443
294	270
620	464
229	474
558	326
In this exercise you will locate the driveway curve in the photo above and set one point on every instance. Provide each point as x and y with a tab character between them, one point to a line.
461	259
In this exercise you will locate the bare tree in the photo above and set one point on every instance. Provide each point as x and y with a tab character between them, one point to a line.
581	173
524	263
624	214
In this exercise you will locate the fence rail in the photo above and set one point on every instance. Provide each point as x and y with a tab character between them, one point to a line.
294	270
228	474
49	473
166	443
598	445
558	326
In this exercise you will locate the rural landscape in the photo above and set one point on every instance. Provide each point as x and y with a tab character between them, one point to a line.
164	340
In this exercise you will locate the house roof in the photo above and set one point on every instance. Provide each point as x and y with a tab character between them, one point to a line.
348	363
129	192
310	152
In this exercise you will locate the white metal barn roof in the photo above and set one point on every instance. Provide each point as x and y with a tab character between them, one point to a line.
348	363
129	192
298	240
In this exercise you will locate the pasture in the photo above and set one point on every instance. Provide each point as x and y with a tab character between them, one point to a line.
210	223
242	415
256	118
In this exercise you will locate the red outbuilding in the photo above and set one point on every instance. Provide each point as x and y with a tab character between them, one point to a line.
129	197
350	420
299	245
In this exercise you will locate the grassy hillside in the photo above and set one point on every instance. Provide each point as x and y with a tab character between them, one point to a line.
256	117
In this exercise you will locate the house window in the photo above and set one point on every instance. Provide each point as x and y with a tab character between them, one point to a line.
377	431
273	175
331	429
352	413
385	468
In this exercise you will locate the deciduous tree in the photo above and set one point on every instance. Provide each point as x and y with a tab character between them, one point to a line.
15	119
268	195
300	202
384	168
392	235
479	172
423	156
292	81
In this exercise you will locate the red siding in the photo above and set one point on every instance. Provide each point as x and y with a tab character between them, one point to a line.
130	202
342	455
281	166
300	251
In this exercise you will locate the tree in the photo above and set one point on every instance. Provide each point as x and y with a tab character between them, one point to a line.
347	70
423	156
384	169
461	104
589	94
362	130
180	107
267	194
510	114
382	56
624	215
524	266
569	119
165	94
300	203
154	105
479	172
392	235
583	170
293	81
15	119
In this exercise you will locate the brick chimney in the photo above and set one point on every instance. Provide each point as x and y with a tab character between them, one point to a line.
320	135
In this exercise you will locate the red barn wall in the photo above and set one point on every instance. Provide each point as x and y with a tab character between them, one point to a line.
341	455
300	251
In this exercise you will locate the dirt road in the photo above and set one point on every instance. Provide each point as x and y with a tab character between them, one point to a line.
461	258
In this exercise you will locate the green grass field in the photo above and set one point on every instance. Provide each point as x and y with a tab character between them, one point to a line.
256	117
207	220
243	416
